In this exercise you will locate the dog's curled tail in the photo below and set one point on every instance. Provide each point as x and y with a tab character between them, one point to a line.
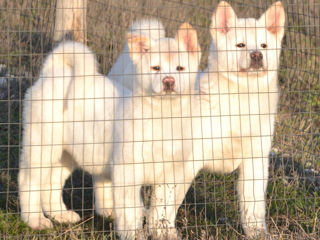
66	65
71	61
76	56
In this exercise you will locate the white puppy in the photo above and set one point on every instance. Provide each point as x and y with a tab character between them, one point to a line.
70	109
154	137
239	104
122	72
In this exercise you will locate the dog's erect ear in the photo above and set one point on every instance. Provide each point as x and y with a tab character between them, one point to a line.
274	19
187	38
224	18
138	45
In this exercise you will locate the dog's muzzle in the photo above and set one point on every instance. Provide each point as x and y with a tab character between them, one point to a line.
256	60
168	84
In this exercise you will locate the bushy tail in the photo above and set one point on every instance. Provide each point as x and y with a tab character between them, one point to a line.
69	60
76	56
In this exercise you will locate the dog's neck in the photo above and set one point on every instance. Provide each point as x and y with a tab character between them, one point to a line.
225	82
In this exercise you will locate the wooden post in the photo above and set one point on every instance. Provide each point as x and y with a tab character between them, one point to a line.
71	18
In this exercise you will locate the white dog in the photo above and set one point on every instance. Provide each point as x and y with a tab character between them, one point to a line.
123	72
70	109
239	104
154	137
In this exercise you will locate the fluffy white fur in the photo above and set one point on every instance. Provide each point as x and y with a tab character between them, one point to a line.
70	109
132	135
140	134
231	128
239	104
154	137
121	72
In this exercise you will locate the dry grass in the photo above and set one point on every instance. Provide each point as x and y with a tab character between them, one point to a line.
26	31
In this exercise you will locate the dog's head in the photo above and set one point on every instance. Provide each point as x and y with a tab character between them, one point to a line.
247	46
165	65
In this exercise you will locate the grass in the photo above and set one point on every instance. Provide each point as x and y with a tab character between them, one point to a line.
293	208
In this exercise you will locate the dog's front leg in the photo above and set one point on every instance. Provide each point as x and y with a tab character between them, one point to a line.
103	195
252	185
127	202
166	201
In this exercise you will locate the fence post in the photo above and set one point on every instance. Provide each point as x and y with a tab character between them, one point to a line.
71	18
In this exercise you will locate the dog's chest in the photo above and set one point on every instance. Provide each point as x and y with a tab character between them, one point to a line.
156	128
240	112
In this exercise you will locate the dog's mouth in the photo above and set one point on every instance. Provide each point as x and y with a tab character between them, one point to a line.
168	91
256	65
255	68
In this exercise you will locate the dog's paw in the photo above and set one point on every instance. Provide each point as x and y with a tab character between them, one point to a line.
66	217
39	222
105	212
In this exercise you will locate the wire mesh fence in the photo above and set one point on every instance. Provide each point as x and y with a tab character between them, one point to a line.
210	208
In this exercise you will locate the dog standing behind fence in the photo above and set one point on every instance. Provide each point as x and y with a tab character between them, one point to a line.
154	137
122	72
71	108
239	104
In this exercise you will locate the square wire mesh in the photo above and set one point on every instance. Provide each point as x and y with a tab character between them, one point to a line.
211	208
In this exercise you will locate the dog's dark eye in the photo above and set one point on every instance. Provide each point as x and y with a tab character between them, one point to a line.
240	45
155	68
179	68
263	45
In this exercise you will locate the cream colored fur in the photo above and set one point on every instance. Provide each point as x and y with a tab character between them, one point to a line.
75	110
157	138
239	103
70	109
232	118
121	72
154	138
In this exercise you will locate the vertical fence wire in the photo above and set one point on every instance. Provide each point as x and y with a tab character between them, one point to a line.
211	208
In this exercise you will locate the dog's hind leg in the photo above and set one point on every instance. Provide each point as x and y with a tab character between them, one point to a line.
52	185
30	189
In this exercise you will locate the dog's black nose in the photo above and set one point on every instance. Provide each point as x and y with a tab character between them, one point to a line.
256	60
256	56
168	84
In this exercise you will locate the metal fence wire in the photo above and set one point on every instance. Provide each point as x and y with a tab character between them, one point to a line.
151	142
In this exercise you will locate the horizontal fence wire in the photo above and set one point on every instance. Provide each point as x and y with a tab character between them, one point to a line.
210	208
